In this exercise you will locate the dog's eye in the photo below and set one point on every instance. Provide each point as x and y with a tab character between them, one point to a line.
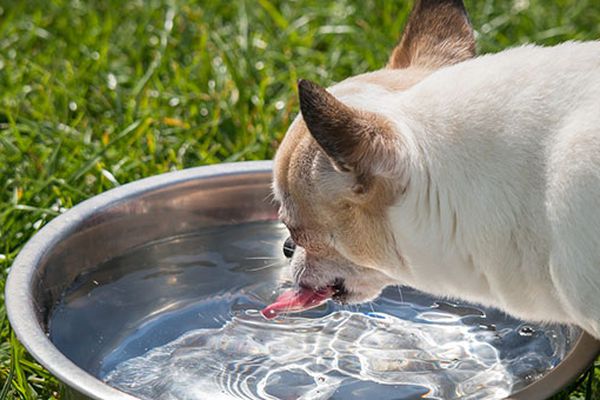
288	247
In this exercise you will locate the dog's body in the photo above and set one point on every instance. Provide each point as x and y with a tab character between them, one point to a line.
505	181
476	179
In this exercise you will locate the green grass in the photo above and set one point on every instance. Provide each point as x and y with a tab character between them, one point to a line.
94	94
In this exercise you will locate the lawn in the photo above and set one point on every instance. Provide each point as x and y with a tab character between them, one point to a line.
95	94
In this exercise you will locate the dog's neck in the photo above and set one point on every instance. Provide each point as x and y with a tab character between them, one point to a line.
477	173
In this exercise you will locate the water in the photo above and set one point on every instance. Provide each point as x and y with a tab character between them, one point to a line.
178	319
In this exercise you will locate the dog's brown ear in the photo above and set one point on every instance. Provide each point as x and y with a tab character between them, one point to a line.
354	140
438	33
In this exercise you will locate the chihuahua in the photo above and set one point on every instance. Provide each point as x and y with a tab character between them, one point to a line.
476	178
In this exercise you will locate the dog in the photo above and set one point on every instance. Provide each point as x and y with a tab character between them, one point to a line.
463	176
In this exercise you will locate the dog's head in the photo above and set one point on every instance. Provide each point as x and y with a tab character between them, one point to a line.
342	164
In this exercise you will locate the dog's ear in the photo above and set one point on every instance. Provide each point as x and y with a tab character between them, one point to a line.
438	33
355	140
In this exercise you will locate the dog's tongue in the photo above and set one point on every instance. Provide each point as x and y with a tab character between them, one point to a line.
296	300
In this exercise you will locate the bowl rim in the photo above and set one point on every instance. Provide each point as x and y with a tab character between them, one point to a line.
21	311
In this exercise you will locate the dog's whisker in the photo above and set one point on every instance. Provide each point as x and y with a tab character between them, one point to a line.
400	293
269	242
270	198
275	264
298	273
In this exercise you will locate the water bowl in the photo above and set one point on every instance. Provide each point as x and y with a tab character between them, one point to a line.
153	290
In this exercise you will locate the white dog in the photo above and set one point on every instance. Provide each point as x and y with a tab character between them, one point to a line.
472	178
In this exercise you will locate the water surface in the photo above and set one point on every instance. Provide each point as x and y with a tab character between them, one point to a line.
178	319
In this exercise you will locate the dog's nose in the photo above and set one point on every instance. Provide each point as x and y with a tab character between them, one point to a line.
288	247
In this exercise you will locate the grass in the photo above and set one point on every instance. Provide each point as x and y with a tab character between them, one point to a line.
94	94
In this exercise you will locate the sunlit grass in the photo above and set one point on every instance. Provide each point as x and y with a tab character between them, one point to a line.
94	94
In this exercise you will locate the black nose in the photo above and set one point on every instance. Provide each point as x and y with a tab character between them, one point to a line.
288	247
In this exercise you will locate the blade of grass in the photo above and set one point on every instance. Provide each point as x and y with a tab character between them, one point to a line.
8	383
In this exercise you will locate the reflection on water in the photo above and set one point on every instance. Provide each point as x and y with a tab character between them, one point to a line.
305	358
179	319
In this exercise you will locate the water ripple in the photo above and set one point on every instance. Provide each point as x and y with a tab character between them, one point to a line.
305	358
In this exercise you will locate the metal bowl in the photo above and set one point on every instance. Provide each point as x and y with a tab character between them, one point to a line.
150	209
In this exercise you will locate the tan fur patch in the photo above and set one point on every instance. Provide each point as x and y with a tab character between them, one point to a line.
317	213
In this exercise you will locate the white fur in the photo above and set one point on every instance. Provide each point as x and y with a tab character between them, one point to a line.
503	205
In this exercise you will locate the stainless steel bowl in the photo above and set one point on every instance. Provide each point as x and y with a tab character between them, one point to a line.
150	209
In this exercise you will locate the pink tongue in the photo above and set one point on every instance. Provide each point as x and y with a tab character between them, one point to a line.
297	300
